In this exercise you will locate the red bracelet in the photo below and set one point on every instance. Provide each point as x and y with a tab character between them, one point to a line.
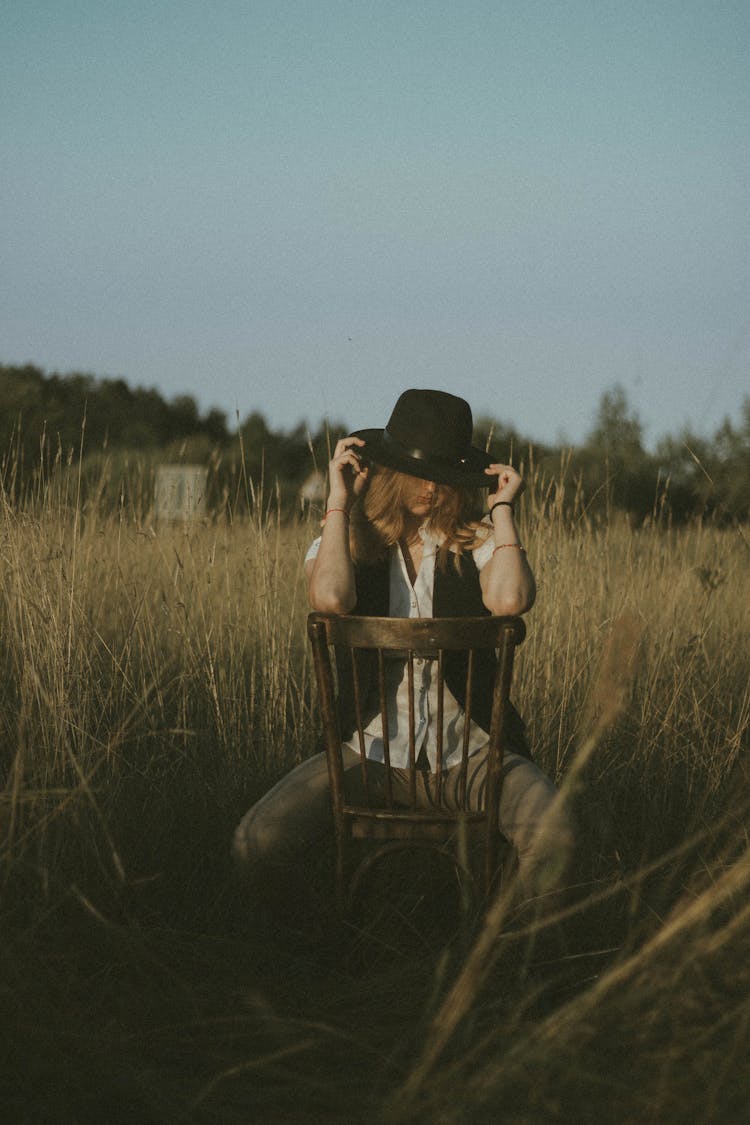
516	545
328	512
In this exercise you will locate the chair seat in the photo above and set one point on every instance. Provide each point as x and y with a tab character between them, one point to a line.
385	824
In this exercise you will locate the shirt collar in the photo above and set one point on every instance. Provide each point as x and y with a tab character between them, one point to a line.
430	539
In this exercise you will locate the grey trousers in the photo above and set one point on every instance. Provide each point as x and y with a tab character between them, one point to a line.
295	815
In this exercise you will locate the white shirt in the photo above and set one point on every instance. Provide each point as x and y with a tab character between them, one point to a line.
406	600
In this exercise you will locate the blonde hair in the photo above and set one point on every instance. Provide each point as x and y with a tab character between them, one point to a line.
378	519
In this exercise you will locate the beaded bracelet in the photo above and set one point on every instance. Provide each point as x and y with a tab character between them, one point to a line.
516	545
501	504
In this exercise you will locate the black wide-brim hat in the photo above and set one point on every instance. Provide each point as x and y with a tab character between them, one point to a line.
429	436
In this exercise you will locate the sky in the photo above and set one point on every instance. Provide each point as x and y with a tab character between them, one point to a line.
302	207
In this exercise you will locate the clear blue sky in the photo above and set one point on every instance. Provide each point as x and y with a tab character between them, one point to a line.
304	207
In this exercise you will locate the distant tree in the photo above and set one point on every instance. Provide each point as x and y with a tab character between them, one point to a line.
617	433
283	459
256	444
733	454
613	460
113	413
685	464
215	426
503	440
711	475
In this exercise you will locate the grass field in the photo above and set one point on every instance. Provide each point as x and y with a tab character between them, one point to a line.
155	681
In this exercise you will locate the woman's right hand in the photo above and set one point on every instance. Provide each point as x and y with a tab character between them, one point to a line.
347	475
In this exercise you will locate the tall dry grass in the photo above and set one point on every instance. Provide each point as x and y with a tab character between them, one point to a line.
154	681
149	677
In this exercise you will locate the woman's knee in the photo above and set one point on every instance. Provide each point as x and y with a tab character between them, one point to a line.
288	818
255	839
546	849
536	817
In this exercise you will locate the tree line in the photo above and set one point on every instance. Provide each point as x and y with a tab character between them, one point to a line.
116	434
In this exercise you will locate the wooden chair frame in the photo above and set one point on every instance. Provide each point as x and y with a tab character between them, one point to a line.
341	642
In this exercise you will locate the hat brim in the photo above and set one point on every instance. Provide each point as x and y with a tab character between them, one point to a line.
468	473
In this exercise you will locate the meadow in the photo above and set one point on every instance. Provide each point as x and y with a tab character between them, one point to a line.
155	680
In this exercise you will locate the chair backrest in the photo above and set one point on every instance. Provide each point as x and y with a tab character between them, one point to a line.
352	658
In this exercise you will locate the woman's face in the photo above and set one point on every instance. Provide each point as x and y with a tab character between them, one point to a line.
419	496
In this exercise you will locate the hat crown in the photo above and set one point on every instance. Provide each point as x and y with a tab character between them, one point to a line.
432	423
429	436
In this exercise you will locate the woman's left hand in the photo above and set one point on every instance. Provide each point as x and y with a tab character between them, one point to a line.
510	484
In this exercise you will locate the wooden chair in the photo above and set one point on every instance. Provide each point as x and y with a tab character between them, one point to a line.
351	656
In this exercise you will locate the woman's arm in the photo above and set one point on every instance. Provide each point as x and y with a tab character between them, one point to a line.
507	581
330	575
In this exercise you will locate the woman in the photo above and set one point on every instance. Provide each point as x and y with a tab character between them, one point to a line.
400	538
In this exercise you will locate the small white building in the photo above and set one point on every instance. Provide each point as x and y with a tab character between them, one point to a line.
180	492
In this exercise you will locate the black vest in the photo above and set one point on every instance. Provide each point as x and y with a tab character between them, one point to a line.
456	593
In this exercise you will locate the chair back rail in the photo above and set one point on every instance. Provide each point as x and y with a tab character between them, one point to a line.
370	647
